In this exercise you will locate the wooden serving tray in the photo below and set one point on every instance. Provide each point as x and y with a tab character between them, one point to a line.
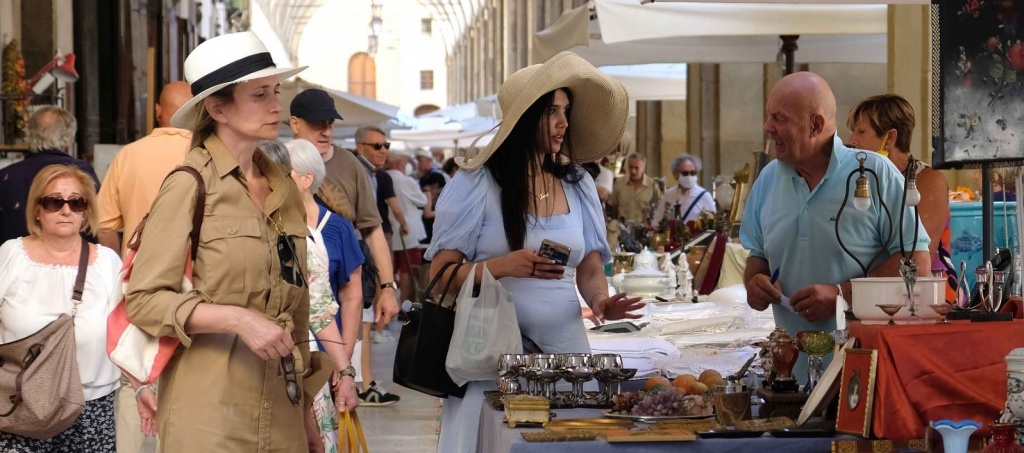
650	435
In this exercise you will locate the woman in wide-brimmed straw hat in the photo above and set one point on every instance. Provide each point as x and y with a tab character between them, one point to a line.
238	383
526	187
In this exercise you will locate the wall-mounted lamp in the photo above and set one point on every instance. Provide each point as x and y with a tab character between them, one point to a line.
60	68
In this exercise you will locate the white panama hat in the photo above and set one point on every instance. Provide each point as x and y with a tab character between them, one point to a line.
599	111
222	61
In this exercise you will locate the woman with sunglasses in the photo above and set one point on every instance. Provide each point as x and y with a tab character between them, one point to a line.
244	376
687	199
37	276
526	187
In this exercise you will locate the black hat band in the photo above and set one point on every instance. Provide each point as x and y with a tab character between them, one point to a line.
233	71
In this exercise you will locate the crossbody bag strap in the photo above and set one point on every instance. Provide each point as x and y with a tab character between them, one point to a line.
694	203
83	267
323	222
200	209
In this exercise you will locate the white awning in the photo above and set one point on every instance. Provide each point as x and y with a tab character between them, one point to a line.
648	82
830	2
356	110
627	33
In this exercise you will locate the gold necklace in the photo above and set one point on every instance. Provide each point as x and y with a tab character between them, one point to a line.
542	195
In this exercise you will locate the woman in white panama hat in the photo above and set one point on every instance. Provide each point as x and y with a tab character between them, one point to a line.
531	189
241	381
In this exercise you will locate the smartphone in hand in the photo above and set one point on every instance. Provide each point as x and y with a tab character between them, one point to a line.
554	251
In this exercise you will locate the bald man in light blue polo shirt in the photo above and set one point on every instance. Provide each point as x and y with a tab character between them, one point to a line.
789	221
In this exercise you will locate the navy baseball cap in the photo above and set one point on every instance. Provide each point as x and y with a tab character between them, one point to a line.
314	106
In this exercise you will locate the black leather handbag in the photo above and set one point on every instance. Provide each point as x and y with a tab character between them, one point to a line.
423	344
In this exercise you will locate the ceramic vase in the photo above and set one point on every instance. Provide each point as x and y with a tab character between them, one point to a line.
1015	382
955	434
1004	439
784	355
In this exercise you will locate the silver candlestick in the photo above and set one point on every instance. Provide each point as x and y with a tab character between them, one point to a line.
908	270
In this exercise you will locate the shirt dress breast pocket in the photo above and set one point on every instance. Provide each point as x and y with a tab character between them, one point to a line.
233	257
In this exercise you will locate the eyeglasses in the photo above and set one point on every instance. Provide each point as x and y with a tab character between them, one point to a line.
378	146
54	204
688	173
290	384
290	272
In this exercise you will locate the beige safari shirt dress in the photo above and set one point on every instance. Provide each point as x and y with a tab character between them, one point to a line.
216	394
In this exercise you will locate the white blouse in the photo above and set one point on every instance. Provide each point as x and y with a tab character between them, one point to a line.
34	294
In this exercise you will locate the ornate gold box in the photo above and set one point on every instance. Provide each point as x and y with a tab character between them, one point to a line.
526	409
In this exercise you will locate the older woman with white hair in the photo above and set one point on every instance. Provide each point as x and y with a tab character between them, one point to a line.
334	268
687	198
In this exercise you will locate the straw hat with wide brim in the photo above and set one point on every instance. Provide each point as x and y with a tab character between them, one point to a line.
599	107
221	61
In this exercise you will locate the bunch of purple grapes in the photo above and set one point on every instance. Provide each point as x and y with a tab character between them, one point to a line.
666	403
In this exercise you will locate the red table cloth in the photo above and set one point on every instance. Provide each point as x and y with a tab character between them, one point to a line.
931	372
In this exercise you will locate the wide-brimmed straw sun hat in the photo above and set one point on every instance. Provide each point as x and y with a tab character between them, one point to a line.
599	107
221	61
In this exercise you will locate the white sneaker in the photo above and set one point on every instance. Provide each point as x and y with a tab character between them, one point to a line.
381	337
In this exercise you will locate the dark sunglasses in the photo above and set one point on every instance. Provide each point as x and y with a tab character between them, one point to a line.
688	173
378	146
290	272
53	204
290	384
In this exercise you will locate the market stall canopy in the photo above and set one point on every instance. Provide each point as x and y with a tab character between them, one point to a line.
649	82
356	110
626	33
442	132
830	2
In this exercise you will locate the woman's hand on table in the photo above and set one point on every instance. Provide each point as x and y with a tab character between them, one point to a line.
264	337
345	396
526	263
617	307
816	302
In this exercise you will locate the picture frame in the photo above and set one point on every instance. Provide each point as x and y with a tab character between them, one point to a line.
857	391
977	83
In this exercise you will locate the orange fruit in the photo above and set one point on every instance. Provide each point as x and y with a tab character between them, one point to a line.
681	384
657	383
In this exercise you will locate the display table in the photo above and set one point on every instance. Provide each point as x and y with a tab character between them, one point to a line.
931	372
496	436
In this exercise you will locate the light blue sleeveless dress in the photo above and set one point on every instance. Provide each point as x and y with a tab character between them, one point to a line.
469	220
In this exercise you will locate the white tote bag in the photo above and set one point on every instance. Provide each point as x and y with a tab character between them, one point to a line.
485	328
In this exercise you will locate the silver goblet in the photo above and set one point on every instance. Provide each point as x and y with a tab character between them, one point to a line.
542	366
577	376
603	364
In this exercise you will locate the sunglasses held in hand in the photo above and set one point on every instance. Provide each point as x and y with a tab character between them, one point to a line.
54	203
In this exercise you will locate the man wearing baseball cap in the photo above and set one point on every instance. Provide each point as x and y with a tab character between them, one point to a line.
347	190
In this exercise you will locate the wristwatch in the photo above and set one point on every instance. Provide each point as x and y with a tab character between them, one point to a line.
349	371
391	285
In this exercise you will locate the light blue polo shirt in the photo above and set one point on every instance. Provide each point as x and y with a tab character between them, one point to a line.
794	228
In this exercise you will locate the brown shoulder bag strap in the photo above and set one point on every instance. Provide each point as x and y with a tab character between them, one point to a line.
83	267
